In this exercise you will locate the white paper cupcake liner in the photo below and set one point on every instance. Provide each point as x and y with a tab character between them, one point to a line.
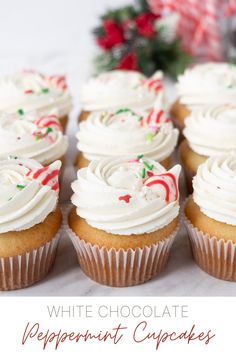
24	270
216	257
121	267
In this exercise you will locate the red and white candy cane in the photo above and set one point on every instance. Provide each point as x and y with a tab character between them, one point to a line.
58	81
50	120
155	119
198	24
154	83
165	184
47	176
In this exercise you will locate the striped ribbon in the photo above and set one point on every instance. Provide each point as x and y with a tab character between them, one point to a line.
198	25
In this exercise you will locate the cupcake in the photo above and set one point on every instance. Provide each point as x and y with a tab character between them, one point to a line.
210	217
30	135
120	89
126	133
209	131
125	219
201	85
30	221
29	90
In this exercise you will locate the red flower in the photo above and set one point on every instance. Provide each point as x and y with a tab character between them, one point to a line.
145	24
113	35
128	62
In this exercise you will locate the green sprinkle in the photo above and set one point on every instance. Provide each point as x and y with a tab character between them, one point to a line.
149	167
45	90
20	186
140	157
49	130
230	86
9	199
123	110
20	112
150	137
143	174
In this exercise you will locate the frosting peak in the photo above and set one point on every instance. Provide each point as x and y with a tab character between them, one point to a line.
127	132
30	90
32	136
209	83
28	193
121	88
215	188
211	131
127	196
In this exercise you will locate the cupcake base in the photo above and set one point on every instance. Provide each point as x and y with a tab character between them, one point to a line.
122	266
215	256
24	270
64	121
83	116
179	113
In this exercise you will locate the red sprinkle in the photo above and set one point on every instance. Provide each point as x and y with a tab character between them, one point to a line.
126	198
150	173
28	91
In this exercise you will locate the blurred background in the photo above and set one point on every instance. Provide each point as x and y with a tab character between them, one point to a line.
50	35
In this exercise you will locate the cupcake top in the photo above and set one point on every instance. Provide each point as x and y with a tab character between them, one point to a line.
215	188
211	131
126	197
209	83
32	136
30	90
28	193
121	88
127	132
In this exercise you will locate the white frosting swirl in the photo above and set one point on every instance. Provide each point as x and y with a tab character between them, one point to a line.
127	132
120	88
29	90
211	131
215	188
125	197
32	136
209	83
28	193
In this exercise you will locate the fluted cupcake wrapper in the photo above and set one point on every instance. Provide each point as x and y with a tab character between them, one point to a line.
121	267
216	257
24	270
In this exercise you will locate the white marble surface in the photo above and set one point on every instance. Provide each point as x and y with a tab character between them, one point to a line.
53	36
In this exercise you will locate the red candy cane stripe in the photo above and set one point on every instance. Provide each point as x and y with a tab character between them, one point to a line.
155	119
57	80
154	84
46	176
161	182
49	121
49	177
167	181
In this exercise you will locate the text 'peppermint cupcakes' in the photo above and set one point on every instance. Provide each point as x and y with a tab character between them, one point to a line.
30	221
210	217
30	135
120	88
209	131
202	85
126	133
125	219
29	90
